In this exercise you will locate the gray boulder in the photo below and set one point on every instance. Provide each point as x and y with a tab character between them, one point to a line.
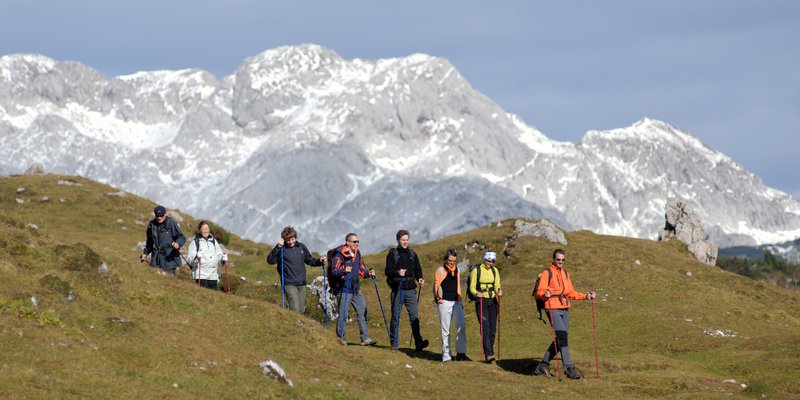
542	228
683	224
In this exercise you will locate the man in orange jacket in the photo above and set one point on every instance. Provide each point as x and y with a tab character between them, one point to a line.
556	289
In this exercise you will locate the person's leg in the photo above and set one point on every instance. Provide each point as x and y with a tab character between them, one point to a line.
360	305
292	300
491	324
445	315
342	304
410	300
395	322
461	328
562	328
301	299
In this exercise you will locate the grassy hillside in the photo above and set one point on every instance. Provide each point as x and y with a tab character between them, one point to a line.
131	332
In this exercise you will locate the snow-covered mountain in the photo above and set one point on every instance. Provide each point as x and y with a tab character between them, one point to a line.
298	136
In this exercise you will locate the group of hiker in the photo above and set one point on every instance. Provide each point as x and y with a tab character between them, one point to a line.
404	276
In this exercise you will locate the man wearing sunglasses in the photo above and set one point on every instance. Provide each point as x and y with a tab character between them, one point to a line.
348	267
555	288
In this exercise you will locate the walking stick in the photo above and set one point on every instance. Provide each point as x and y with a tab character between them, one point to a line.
325	293
594	331
343	308
283	287
555	343
199	269
227	282
480	304
498	326
380	303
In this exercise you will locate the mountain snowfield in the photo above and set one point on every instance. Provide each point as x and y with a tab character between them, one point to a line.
298	136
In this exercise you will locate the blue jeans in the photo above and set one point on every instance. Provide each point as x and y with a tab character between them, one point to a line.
399	298
344	301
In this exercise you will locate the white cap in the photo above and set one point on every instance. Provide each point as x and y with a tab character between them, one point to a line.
490	255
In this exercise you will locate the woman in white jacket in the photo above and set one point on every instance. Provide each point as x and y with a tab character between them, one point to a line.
205	257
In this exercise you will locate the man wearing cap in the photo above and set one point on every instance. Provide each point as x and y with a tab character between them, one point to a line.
485	287
164	240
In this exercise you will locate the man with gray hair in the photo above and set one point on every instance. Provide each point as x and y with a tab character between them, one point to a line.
164	240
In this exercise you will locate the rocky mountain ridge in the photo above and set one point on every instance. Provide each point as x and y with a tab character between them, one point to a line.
299	136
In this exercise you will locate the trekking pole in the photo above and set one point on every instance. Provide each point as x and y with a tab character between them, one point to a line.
283	287
498	326
227	282
380	303
325	294
344	305
480	304
555	344
199	269
594	332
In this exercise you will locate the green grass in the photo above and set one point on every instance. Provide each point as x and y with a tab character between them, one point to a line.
133	333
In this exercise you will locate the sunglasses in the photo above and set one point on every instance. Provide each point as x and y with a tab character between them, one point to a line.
561	259
354	241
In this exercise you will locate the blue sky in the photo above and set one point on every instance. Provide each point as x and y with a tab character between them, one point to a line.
727	71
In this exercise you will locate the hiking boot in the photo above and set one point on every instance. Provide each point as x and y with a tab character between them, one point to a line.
421	345
446	359
542	369
462	357
572	373
343	342
490	358
369	342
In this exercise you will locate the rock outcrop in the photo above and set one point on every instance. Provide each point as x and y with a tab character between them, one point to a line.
683	224
543	228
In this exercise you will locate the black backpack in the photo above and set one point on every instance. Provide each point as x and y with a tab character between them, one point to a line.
477	280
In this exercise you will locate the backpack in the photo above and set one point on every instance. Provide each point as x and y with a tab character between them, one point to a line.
477	280
396	255
540	302
333	281
197	242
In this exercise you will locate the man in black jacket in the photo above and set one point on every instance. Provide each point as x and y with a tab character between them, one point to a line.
164	240
290	257
403	272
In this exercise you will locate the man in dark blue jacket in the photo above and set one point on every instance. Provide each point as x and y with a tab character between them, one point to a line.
403	273
164	240
347	268
291	257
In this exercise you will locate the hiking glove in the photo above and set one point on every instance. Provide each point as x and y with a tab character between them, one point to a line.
224	257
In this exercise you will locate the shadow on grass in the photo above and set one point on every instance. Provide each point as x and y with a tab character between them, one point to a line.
522	366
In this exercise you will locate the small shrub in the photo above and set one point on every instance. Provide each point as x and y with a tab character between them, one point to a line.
55	284
219	233
758	388
78	257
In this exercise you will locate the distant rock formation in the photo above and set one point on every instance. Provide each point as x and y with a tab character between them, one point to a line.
35	169
540	228
684	225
